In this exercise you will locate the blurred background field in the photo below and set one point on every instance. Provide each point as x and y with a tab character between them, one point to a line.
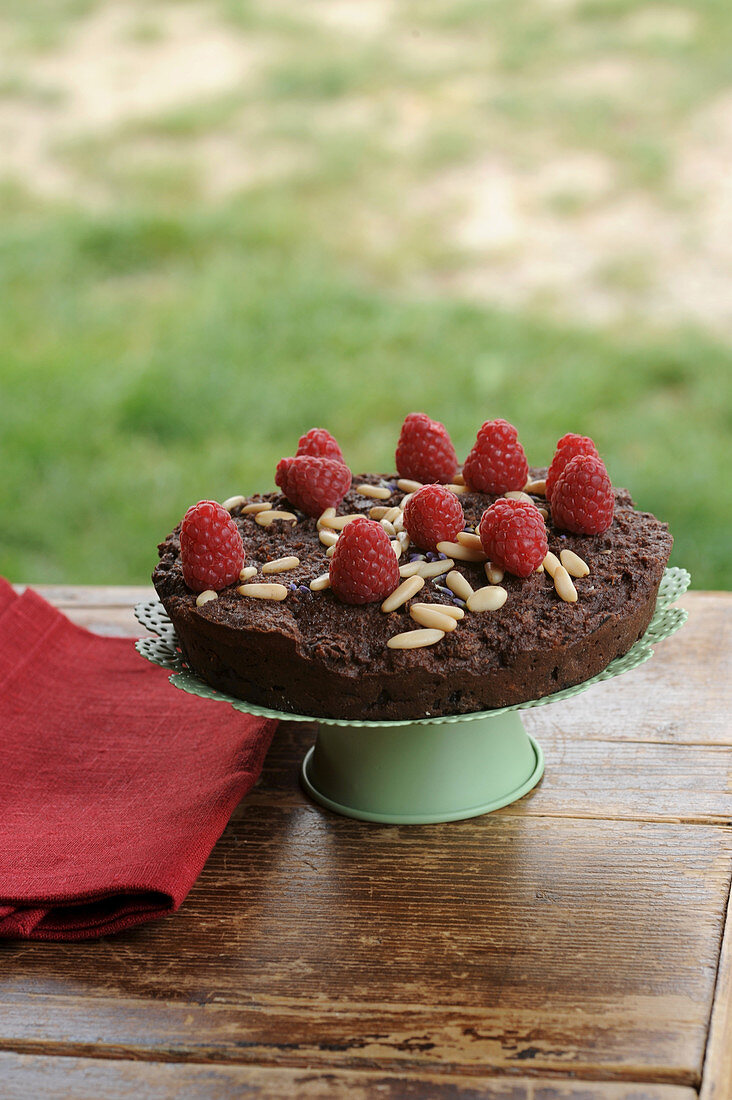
224	222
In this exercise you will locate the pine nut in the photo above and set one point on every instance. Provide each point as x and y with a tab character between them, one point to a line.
266	519
426	615
410	568
337	523
544	513
321	582
461	553
457	489
388	527
257	506
551	563
281	565
458	479
574	564
403	501
466	538
494	573
490	598
263	591
397	547
205	597
404	539
564	586
376	492
403	592
232	502
392	513
518	495
538	488
444	609
330	550
328	538
415	639
456	583
408	486
327	514
431	569
378	512
399	522
247	572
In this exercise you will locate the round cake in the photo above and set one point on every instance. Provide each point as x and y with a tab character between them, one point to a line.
309	653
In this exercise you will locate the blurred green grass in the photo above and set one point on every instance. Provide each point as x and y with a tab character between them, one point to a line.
154	359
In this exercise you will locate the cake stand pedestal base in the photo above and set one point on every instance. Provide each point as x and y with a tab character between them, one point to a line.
405	774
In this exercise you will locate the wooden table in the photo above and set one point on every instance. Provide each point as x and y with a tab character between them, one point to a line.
570	946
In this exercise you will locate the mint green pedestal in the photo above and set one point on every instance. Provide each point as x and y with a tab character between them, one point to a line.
418	774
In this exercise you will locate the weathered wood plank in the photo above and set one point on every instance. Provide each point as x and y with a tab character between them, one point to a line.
511	943
717	1079
25	1076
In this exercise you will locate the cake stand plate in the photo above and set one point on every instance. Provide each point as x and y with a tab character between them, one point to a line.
442	768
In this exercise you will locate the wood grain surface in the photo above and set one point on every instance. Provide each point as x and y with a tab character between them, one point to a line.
567	946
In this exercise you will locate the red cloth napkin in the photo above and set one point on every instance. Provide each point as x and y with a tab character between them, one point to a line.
114	786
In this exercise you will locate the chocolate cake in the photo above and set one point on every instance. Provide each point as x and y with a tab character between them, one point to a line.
311	654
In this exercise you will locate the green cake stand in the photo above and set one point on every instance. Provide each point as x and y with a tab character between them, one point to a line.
432	769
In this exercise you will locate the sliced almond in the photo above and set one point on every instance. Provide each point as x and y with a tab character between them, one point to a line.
493	572
444	609
403	592
206	597
281	565
415	639
431	569
337	523
257	506
429	616
461	553
321	582
564	586
263	591
551	563
409	568
467	538
232	502
247	572
408	486
490	598
327	514
376	492
538	488
273	515
456	583
574	564
327	537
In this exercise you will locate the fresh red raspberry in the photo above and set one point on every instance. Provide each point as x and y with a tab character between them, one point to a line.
364	567
514	536
313	484
567	447
497	462
320	443
431	515
211	550
425	451
583	499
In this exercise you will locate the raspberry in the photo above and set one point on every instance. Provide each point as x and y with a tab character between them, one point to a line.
433	515
320	443
313	484
567	447
364	567
211	550
425	451
514	536
583	499
497	461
